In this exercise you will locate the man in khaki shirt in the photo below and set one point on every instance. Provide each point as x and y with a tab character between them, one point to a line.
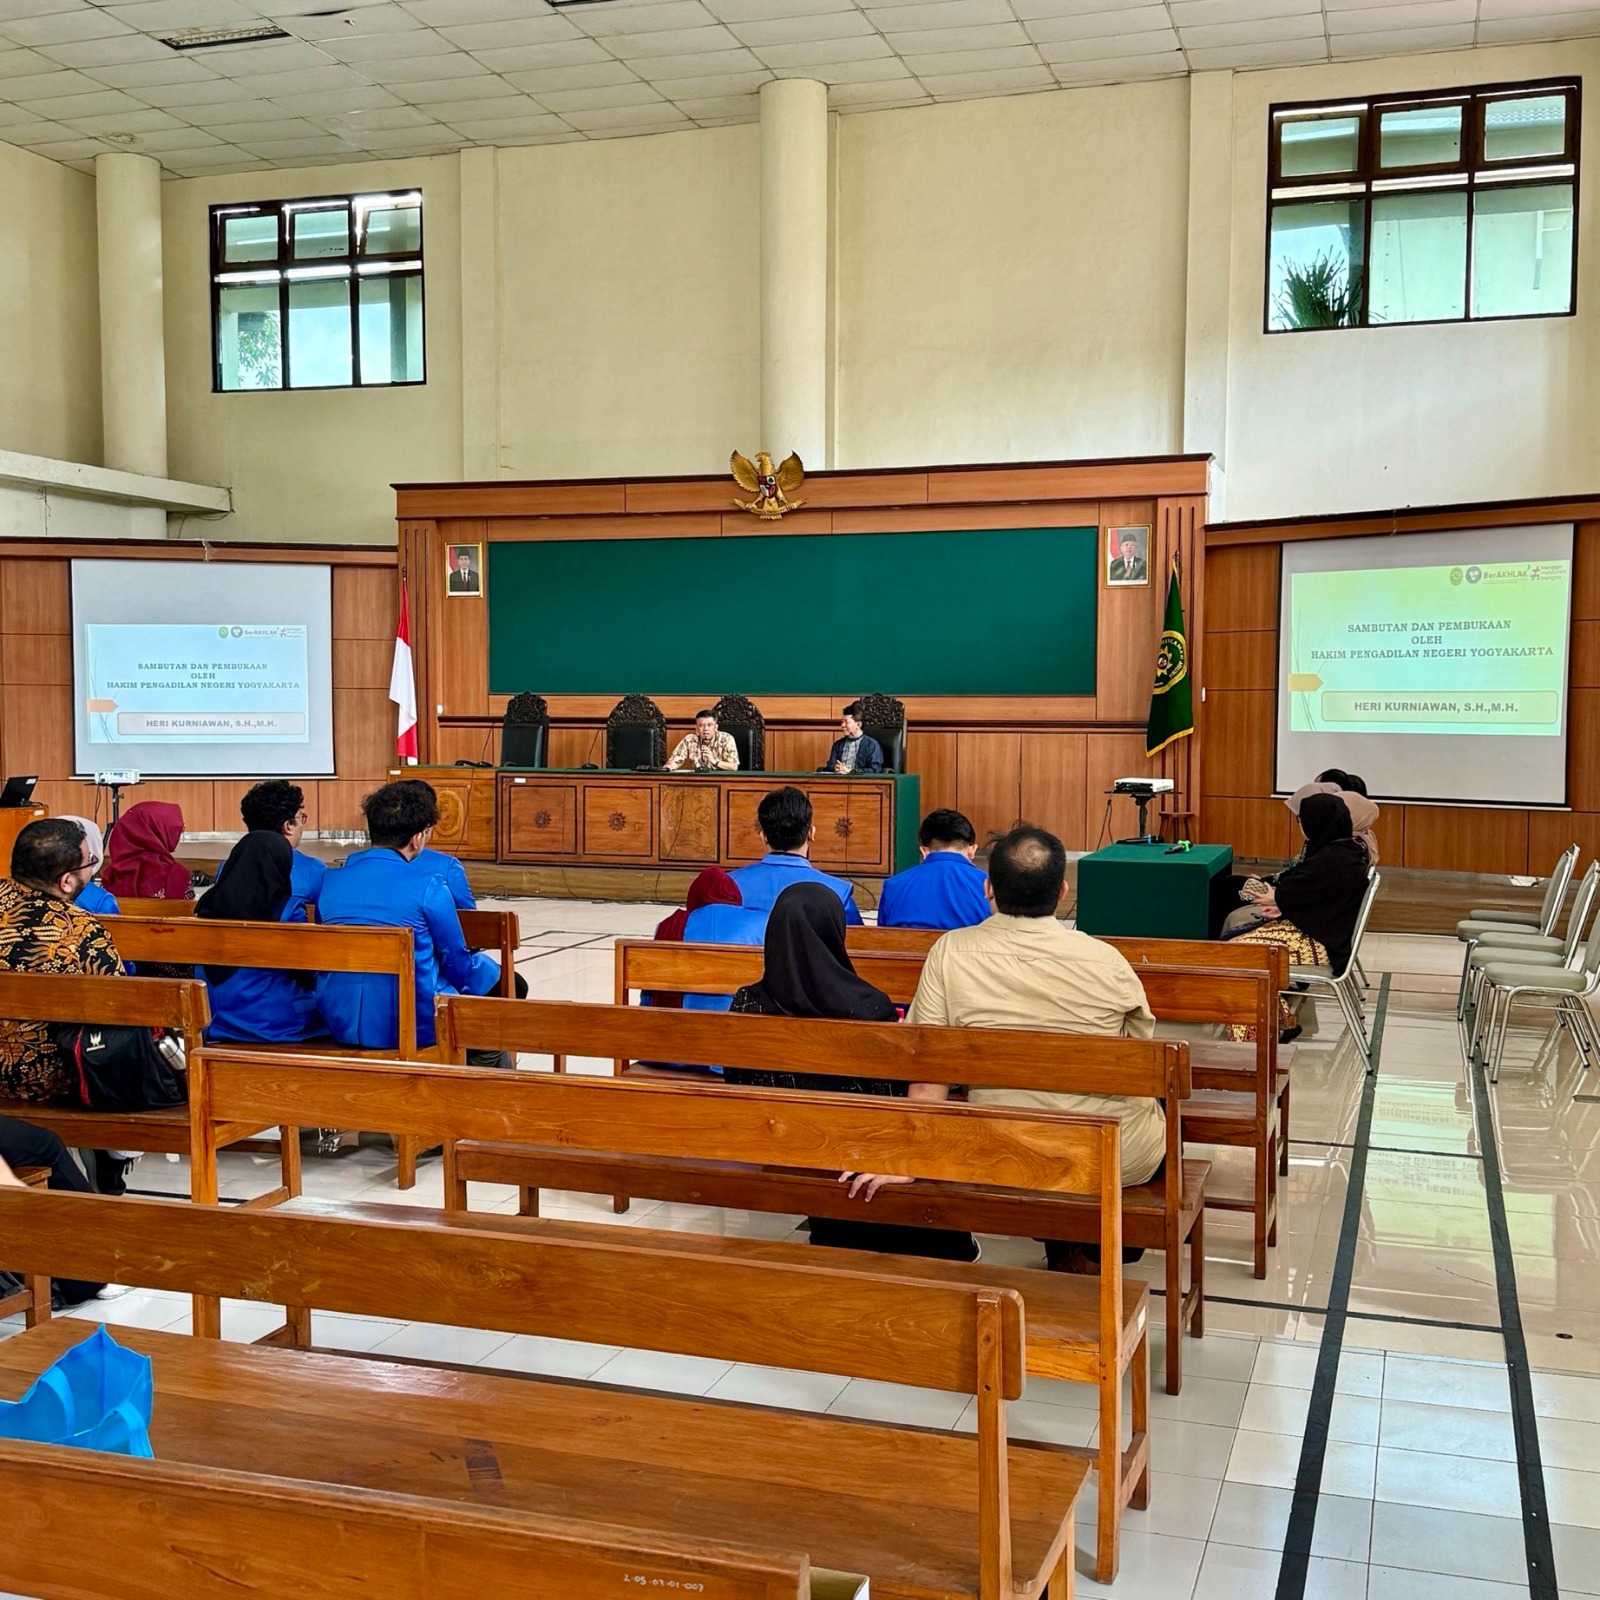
1024	969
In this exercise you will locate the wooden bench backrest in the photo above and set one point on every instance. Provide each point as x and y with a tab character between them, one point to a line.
1184	991
285	946
991	1057
816	1319
500	931
1158	952
1006	1146
76	1516
131	905
178	1003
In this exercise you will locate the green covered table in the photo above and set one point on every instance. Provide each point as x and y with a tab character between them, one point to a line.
1138	891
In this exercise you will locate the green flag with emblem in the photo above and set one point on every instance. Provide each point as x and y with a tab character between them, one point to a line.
1171	701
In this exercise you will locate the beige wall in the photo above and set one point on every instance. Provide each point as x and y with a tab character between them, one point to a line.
49	310
315	465
1077	273
1011	278
629	292
1370	419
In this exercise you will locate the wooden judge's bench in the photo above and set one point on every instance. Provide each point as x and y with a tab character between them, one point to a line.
866	825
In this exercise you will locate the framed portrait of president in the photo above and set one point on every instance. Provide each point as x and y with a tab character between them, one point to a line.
1127	558
464	571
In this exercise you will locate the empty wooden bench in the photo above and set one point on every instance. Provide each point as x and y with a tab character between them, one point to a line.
1082	1329
32	1297
76	1516
1162	1214
923	1515
1242	1091
175	1003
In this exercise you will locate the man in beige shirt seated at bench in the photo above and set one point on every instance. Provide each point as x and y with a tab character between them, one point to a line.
1023	968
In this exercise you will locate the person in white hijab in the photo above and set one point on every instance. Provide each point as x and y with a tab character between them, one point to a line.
98	902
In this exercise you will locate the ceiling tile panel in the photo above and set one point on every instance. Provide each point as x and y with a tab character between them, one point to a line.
425	69
163	74
484	87
667	70
871	47
800	29
1120	69
551	28
591	75
63	27
1558	25
1100	24
537	57
925	41
1391	41
1112	47
948	61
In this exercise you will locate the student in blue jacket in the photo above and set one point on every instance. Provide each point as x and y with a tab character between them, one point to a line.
259	1004
784	818
944	890
381	887
438	863
278	806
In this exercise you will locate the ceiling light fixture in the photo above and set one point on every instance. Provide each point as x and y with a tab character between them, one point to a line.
211	38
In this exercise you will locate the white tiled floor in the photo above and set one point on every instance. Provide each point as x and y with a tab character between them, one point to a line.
1420	1496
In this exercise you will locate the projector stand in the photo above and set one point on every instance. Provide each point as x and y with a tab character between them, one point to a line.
116	800
1144	835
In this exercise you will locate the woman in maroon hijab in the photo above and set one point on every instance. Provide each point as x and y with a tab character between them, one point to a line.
139	857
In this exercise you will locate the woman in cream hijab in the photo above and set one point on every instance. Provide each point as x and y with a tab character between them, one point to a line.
1353	791
94	899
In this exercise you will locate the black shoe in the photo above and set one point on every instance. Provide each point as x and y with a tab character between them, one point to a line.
110	1172
1289	1035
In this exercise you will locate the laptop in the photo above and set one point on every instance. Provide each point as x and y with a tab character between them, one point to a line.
18	791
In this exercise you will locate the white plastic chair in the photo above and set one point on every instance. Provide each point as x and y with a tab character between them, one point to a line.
1346	986
1507	982
1470	929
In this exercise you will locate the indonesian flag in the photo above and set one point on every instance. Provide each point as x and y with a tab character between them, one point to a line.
403	685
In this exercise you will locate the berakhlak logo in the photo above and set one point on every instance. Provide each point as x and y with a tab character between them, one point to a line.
1474	574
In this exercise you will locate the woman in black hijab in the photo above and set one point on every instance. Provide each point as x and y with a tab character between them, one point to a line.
258	1004
807	973
1314	903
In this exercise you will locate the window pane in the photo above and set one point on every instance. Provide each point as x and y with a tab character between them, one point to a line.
1419	257
321	233
249	342
250	238
1317	145
391	328
1522	251
392	231
1315	274
1536	126
319	332
1423	136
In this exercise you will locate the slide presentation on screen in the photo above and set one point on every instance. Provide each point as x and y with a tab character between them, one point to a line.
1434	665
202	669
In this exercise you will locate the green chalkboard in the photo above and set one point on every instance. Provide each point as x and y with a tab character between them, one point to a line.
992	611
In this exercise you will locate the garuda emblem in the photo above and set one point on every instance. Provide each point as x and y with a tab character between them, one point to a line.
770	485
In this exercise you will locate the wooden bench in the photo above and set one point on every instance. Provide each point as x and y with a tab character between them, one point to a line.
1161	1214
129	905
1088	1330
76	1516
1242	1090
316	947
924	1515
175	1003
32	1298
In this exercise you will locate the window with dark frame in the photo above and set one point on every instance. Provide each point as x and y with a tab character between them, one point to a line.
317	294
1455	205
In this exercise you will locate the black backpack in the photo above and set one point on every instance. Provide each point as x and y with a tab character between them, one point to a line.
119	1068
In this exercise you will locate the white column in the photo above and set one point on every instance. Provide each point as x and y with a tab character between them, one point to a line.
133	361
794	269
1210	277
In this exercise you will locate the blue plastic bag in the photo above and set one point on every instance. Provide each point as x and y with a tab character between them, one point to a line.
96	1397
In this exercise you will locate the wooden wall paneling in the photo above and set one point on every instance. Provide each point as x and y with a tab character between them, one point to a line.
1054	767
363	733
38	728
193	796
36	658
36	597
1258	830
574	747
466	744
961	519
539	530
1550	832
226	793
67	796
1391	832
1583	749
1237	757
1107	757
366	602
797	749
1586	571
362	663
1005	710
461	634
1243	661
932	756
419	501
1130	621
1242	588
1466	839
339	802
989	780
1075	480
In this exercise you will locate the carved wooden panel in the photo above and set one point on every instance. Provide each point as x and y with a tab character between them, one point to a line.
619	820
866	841
830	816
538	819
690	821
741	837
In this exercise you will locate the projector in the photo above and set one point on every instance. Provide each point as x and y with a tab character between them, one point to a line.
118	777
1144	786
